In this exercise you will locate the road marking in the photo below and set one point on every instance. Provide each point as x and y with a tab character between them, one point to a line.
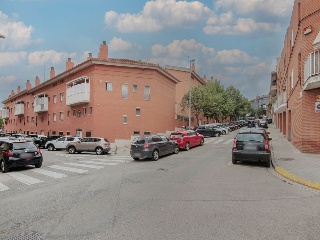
68	169
100	163
24	178
85	165
220	140
228	141
3	187
230	163
109	160
49	173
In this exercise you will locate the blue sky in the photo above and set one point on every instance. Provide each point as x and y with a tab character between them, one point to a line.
234	41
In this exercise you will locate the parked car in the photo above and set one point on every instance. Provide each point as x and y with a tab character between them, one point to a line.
60	143
89	144
187	139
209	131
252	145
41	141
17	153
263	123
251	123
153	147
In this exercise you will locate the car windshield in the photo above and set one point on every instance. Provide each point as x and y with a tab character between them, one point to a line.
245	137
139	141
23	145
176	135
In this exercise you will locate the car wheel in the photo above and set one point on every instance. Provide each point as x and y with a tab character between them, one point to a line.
99	150
38	165
267	164
136	159
187	146
3	166
155	155
217	134
50	147
223	132
72	150
176	149
201	142
234	161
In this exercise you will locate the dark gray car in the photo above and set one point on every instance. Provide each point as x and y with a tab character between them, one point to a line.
153	147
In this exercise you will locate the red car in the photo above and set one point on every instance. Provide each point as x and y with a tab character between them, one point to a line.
187	139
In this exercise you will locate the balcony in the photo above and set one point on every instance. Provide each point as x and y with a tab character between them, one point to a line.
19	109
273	90
312	71
5	113
40	103
78	91
281	104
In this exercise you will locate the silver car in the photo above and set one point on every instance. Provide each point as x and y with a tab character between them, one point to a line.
89	144
60	143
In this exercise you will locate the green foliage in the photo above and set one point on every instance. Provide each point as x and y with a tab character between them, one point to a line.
1	122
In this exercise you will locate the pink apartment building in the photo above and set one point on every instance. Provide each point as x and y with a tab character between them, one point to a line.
296	84
112	98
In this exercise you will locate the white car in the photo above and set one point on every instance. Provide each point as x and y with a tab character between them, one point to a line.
60	143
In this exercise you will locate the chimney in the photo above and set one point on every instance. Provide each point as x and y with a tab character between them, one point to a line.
193	67
103	54
52	73
18	89
69	64
89	56
12	93
28	85
37	81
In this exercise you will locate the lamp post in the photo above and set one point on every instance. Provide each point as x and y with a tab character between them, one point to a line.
191	61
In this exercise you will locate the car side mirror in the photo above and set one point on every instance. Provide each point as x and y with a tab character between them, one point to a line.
269	139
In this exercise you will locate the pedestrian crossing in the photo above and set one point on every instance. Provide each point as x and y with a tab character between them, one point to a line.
59	171
224	141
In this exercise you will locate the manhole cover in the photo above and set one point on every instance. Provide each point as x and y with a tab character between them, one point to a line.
35	236
286	159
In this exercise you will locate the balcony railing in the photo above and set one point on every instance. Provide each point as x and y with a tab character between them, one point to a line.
5	113
78	91
19	109
312	71
40	104
281	104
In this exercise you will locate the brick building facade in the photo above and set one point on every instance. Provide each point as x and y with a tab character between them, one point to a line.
298	79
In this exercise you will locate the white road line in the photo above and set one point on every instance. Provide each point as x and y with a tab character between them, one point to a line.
109	160
220	140
77	157
3	187
68	169
24	178
228	141
85	165
49	173
230	163
100	163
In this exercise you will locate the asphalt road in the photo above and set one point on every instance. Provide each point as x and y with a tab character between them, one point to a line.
196	194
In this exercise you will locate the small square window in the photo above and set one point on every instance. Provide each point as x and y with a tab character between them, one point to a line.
124	90
125	119
61	116
61	97
136	132
146	133
54	98
54	117
137	111
84	111
68	114
135	88
109	86
74	112
90	110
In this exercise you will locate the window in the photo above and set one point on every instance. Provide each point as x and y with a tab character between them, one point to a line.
32	120
124	90
109	86
54	98
60	133
90	110
136	132
27	119
146	133
74	112
135	88
88	134
68	133
68	114
79	114
54	117
27	104
137	111
125	119
61	97
61	116
292	79
84	111
146	92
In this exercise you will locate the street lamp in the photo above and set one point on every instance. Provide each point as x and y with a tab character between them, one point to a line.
191	61
2	36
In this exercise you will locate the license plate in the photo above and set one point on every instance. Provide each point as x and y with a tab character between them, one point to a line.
27	156
250	148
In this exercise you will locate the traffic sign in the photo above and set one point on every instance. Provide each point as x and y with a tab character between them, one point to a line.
317	107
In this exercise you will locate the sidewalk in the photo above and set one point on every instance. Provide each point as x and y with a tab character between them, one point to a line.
303	168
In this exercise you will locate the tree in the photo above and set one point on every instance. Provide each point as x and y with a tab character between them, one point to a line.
1	122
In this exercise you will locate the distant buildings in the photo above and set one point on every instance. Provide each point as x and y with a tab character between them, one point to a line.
260	102
295	86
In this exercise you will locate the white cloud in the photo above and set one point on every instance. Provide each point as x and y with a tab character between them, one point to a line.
159	14
8	79
50	57
12	58
118	45
17	34
275	7
252	70
234	56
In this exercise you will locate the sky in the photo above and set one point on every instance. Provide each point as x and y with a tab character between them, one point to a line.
234	41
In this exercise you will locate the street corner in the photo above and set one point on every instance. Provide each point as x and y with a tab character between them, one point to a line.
295	178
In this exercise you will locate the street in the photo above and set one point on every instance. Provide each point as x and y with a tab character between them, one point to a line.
196	194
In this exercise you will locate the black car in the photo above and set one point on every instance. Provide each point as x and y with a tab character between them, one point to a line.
41	141
153	147
252	145
18	153
251	123
263	123
209	131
